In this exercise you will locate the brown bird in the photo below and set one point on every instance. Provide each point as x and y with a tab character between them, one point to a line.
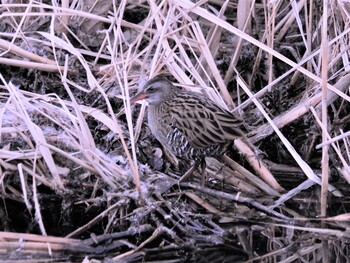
188	124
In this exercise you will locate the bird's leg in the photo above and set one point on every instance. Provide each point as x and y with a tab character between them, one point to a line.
203	174
189	172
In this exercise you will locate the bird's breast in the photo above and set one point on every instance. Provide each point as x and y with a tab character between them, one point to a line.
159	123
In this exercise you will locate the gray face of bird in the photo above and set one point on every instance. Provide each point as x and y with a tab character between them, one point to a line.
155	92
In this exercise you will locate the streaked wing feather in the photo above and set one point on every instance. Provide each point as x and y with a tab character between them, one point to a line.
202	122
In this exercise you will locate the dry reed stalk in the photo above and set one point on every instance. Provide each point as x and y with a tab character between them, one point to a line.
325	148
254	181
21	105
303	165
182	38
244	14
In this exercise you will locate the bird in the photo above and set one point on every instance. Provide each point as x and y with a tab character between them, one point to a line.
188	124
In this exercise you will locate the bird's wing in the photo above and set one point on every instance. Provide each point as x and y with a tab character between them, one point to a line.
203	123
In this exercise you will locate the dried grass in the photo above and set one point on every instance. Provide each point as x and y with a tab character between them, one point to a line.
70	136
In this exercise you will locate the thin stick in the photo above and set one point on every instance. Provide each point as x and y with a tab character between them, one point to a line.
325	156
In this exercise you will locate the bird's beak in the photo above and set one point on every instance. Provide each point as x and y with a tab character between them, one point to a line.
137	97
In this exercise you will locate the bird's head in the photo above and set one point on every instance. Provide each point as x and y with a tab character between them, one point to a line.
155	91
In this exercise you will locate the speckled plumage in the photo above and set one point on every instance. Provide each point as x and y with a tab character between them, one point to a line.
188	124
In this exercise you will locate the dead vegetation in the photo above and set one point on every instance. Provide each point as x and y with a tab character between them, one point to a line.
82	178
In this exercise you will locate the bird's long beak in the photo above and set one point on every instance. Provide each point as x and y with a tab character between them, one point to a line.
137	97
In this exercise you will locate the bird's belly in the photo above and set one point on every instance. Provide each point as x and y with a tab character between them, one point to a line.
174	140
183	149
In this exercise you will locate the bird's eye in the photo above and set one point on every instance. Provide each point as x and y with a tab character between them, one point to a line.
151	89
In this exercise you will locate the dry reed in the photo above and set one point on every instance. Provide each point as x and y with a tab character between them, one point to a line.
67	128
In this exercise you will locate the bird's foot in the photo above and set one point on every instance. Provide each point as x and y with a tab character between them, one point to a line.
193	168
189	172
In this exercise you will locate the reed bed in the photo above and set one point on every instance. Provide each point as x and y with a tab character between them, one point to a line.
82	178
